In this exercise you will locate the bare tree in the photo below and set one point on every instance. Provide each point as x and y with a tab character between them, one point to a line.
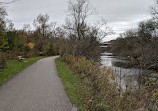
41	23
84	39
42	27
154	10
79	11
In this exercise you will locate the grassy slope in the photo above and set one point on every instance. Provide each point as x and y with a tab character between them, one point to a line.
76	90
14	66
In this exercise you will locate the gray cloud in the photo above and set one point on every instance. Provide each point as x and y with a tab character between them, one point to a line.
120	14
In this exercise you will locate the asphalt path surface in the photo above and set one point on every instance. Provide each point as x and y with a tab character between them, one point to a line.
36	88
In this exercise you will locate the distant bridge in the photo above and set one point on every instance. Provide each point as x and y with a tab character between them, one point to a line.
105	44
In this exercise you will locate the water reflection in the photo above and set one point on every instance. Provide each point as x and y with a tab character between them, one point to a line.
126	74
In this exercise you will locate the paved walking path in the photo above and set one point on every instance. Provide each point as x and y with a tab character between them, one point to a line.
36	88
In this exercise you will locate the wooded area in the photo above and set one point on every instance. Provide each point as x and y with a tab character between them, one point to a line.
140	44
76	36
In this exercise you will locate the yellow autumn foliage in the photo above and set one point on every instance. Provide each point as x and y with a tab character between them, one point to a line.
31	45
152	92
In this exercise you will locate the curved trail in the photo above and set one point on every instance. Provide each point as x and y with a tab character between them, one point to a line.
36	88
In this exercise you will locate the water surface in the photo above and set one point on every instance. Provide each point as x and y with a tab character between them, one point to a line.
126	75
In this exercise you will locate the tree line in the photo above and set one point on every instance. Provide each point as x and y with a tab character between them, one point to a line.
140	44
76	36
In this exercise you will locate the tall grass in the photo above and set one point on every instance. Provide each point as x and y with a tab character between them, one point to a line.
106	95
78	92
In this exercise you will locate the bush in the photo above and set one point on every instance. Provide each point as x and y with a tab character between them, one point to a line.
151	95
10	55
62	52
27	48
106	96
2	61
49	49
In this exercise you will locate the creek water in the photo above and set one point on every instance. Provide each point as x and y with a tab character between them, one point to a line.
125	76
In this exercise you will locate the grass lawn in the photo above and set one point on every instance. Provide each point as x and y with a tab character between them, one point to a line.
14	66
77	91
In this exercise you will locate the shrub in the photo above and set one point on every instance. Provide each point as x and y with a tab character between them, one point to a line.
152	93
62	51
10	55
105	94
2	61
49	49
27	48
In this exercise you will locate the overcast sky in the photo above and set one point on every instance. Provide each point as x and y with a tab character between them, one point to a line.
120	14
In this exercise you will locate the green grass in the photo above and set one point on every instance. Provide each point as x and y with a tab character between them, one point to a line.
14	66
77	91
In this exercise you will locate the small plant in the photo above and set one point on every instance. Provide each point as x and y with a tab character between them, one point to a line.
152	93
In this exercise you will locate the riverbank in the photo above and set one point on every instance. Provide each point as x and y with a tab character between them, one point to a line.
79	74
14	67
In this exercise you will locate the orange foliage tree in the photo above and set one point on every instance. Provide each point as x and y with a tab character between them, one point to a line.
31	45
